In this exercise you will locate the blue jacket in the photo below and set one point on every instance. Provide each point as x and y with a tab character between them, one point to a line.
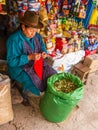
16	58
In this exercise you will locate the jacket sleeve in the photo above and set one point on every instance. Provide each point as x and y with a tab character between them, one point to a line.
15	53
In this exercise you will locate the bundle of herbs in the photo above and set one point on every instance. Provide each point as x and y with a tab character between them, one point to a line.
64	85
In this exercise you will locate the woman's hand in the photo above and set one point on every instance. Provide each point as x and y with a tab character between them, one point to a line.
34	56
44	55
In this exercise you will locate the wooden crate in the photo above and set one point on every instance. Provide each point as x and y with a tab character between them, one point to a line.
81	71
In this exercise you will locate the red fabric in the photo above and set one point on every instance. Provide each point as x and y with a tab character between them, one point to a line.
85	2
38	67
59	43
87	52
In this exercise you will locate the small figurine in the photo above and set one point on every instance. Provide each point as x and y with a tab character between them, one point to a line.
52	26
65	45
82	12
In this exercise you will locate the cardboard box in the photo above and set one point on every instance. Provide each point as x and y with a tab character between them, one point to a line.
92	62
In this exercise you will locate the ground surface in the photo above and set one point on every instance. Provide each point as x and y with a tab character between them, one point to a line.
84	118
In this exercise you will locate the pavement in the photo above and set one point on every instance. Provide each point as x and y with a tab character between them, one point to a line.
83	118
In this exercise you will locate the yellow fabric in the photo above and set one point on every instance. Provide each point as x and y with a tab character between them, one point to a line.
94	17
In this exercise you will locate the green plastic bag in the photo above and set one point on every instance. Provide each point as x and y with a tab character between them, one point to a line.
55	105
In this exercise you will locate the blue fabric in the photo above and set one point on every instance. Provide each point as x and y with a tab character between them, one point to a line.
86	44
16	58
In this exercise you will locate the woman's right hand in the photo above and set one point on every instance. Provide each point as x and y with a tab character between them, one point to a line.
34	56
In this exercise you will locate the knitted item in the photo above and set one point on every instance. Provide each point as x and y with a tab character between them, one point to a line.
38	67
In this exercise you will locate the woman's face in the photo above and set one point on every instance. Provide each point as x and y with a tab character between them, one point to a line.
29	31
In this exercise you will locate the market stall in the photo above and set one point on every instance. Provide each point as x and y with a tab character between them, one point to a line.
67	37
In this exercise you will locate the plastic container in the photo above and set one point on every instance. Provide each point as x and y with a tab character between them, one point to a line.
55	105
6	112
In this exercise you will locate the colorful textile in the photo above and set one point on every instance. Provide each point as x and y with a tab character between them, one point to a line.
47	70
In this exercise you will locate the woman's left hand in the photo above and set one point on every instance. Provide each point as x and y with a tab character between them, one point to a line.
44	55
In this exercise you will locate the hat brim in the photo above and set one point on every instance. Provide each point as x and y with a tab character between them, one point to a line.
39	25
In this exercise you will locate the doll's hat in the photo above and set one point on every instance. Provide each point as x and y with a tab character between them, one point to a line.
31	18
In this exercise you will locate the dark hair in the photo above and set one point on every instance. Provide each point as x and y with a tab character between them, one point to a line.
26	26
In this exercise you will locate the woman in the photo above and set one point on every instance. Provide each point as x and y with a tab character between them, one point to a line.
26	52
